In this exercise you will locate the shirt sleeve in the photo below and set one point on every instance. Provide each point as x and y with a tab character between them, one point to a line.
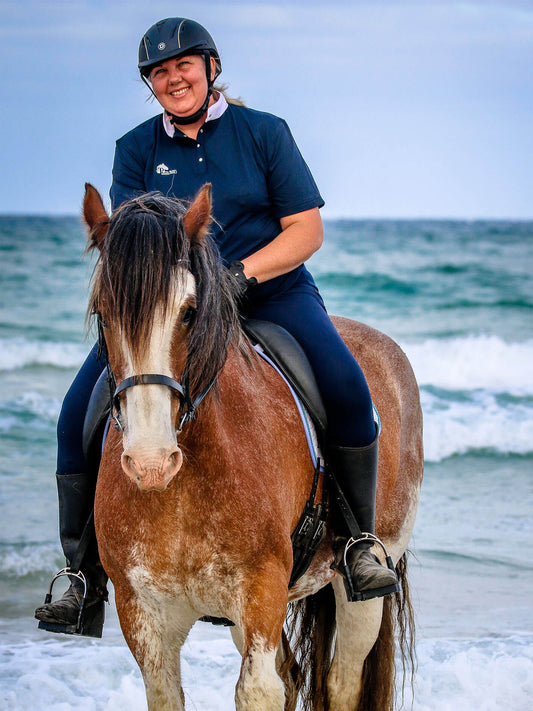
290	183
128	175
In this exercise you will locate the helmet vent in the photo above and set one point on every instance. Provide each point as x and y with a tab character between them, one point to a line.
179	32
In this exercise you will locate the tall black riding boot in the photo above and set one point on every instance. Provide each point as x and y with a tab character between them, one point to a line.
355	471
81	609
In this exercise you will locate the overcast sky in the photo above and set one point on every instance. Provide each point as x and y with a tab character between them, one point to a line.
401	108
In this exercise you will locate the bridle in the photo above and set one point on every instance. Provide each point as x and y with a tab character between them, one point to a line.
187	404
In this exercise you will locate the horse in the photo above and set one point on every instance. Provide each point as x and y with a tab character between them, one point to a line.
206	472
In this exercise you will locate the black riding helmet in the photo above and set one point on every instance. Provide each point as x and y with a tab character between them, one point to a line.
175	37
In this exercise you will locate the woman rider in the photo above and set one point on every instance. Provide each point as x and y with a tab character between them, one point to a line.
267	224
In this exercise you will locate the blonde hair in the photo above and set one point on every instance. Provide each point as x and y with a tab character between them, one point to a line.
223	89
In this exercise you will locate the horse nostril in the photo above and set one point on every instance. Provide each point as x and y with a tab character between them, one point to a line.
128	467
175	461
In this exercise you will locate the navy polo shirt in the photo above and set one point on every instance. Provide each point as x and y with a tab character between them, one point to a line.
250	158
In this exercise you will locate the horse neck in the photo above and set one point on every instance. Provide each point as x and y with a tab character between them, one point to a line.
235	386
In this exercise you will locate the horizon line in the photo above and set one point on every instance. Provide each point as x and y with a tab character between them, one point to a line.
326	218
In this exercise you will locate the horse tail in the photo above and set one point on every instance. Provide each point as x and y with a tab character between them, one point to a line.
308	642
308	645
378	683
405	625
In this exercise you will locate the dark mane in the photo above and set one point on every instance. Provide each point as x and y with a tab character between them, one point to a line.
135	272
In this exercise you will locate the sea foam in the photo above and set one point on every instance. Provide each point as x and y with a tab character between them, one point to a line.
474	675
18	560
18	353
39	408
477	421
473	362
462	382
80	675
476	394
455	364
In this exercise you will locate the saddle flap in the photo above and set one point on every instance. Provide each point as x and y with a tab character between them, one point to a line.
97	412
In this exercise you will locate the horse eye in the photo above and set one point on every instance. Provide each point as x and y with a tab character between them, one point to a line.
100	319
188	315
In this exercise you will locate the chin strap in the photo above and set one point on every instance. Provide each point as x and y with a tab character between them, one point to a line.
178	121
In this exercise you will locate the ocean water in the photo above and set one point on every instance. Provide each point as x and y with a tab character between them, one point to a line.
458	297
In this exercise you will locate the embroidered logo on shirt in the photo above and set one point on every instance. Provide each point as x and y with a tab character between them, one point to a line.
163	169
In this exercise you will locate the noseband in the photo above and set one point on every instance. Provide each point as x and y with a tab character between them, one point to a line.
187	404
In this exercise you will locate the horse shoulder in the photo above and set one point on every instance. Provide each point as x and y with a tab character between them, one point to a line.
258	411
263	461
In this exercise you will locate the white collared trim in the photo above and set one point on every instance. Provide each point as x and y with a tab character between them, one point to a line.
169	128
214	112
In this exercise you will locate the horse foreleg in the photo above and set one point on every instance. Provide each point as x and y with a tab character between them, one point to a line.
260	687
155	631
358	625
291	691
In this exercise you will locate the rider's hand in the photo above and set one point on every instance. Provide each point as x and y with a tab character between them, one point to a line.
236	270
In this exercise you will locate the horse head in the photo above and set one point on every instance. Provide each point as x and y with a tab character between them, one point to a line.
157	274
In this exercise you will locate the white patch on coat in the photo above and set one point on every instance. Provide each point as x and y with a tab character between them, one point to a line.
259	687
318	574
162	623
215	589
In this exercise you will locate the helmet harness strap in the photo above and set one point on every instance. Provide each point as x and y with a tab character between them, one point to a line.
178	121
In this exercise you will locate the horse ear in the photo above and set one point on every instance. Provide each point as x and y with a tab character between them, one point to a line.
95	216
198	216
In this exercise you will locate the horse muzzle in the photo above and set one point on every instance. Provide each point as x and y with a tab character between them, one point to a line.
149	471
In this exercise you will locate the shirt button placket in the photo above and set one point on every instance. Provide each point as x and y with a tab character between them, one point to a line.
201	158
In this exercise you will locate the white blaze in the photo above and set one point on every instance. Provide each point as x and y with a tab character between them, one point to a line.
149	430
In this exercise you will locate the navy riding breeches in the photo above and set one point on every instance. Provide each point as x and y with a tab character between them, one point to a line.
70	458
301	311
341	382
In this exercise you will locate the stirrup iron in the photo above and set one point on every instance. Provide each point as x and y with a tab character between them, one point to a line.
354	595
88	625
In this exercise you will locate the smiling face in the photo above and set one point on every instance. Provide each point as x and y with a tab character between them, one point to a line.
180	84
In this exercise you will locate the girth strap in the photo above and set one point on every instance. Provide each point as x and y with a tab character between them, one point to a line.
310	530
